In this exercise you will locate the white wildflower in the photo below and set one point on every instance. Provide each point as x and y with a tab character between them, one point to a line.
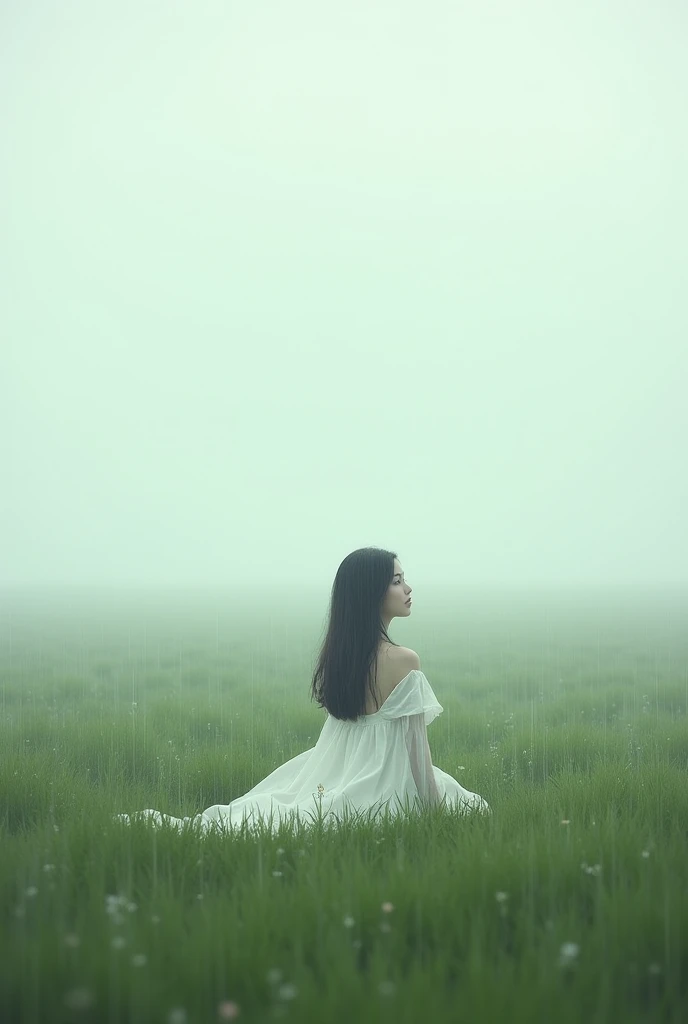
78	999
568	954
287	991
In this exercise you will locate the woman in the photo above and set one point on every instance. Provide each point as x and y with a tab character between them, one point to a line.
372	754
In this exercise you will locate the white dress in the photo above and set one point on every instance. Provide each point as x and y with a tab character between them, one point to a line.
378	763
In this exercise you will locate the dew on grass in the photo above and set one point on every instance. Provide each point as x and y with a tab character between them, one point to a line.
387	908
349	921
139	960
177	1015
501	897
72	940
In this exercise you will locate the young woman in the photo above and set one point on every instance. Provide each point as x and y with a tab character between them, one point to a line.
372	754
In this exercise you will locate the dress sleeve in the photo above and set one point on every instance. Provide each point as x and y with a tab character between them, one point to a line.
419	756
414	702
412	696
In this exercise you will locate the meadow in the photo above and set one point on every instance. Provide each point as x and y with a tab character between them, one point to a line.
565	710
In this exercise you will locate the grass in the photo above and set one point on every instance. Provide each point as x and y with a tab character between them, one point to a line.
568	903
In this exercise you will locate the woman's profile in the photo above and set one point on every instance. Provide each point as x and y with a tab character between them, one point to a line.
372	754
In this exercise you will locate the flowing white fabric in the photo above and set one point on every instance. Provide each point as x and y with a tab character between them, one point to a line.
421	760
378	764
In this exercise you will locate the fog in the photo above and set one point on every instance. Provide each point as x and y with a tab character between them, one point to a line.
282	280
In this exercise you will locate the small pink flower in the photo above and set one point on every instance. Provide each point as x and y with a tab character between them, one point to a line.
388	907
228	1011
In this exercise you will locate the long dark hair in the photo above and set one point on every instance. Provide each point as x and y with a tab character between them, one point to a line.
355	629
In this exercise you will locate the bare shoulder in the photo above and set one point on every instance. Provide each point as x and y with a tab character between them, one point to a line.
406	656
394	664
403	661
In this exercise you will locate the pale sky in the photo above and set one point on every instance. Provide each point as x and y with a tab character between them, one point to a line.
282	280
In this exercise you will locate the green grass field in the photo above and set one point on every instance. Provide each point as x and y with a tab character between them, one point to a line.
569	903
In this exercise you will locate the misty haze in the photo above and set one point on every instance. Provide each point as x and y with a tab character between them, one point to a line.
286	282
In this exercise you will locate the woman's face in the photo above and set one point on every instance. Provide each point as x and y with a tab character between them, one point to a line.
398	593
